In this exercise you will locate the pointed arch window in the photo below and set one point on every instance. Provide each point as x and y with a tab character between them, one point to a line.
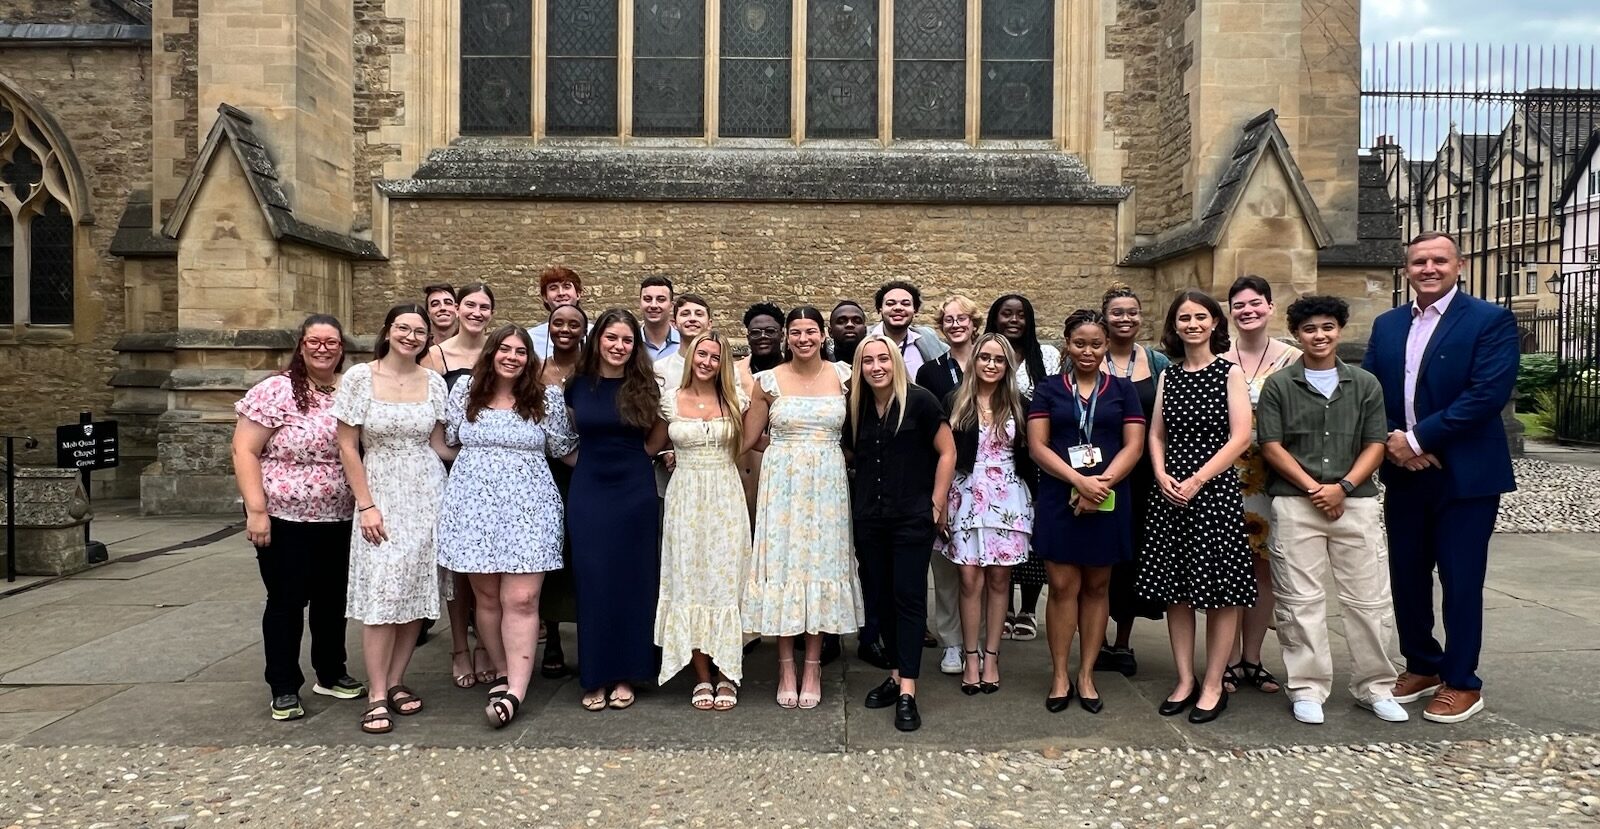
37	228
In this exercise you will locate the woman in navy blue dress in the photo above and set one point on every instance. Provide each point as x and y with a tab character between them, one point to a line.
1086	433
612	511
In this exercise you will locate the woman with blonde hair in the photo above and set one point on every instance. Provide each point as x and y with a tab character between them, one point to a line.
904	457
705	538
991	503
801	579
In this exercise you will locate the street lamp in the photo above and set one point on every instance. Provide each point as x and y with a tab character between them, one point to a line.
1554	283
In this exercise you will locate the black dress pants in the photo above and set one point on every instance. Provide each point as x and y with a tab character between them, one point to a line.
307	563
893	554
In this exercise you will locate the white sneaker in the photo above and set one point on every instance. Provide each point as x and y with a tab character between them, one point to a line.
1308	712
1387	709
951	663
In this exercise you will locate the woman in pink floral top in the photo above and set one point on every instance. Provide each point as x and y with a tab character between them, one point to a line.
297	514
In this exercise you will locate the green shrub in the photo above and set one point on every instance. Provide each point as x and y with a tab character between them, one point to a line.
1536	372
1541	421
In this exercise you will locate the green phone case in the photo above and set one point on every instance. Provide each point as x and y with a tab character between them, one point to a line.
1108	505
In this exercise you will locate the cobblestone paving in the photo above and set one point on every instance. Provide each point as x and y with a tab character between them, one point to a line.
1551	497
1539	783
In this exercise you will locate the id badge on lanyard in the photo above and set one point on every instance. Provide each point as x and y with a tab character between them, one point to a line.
1085	455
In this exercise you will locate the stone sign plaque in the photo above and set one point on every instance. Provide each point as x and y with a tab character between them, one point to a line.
87	446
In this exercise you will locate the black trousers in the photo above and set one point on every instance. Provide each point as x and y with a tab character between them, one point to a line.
306	564
893	554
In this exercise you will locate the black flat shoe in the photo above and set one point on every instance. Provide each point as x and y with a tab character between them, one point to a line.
906	717
884	695
830	648
1204	715
1170	708
872	654
1056	705
1091	704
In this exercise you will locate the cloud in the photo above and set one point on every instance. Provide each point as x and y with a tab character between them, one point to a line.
1394	9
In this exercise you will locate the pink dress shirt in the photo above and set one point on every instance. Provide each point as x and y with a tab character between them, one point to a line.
1423	323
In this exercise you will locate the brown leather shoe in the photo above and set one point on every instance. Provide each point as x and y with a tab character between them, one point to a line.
1452	705
1411	687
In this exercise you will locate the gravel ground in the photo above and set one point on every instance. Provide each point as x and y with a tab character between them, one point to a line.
1551	497
1543	782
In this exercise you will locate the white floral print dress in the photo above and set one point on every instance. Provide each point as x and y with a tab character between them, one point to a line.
397	581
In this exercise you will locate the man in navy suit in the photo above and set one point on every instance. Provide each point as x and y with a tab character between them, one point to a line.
1448	363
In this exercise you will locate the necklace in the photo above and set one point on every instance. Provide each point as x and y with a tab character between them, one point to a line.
1133	357
1262	363
809	383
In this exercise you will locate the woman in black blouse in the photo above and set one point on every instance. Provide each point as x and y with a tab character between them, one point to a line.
904	458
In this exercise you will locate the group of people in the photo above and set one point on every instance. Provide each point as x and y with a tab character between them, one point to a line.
677	501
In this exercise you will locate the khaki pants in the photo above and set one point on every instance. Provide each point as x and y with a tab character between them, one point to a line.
945	620
1353	547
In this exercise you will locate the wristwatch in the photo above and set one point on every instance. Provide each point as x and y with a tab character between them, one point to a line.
1344	484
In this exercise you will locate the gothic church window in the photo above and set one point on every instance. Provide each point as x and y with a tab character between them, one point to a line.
842	69
37	230
930	68
669	63
496	67
756	54
581	90
1017	70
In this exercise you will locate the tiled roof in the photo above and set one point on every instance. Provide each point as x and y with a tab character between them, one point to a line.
76	32
1378	242
235	128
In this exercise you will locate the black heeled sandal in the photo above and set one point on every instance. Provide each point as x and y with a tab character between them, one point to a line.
1254	673
971	688
988	687
502	708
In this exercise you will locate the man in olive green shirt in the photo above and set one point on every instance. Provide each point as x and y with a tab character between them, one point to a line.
1322	427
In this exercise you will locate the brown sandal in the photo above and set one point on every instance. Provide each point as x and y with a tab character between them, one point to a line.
400	696
371	716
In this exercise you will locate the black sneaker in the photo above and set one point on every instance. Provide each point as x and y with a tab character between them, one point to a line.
346	687
287	707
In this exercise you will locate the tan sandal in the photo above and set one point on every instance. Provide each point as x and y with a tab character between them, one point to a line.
468	679
594	703
618	701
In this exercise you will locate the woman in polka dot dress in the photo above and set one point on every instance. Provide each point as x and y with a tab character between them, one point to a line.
1196	555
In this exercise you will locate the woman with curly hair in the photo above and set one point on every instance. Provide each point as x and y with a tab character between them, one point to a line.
500	523
297	514
612	511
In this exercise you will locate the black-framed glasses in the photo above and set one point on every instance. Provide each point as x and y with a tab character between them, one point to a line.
765	333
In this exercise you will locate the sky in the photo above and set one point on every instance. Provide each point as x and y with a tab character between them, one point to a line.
1535	22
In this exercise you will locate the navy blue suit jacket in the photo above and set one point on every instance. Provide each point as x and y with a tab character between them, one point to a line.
1468	372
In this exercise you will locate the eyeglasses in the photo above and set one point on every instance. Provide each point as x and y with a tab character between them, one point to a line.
407	331
964	319
323	345
1122	314
764	333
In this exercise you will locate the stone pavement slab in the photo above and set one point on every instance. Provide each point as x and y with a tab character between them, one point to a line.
170	647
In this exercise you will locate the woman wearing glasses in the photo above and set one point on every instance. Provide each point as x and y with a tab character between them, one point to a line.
391	439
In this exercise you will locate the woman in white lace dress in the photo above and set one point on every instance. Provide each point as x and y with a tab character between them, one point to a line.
705	539
393	408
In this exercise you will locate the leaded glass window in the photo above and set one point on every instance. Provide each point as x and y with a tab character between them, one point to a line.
757	49
37	231
581	90
496	67
8	264
1016	97
669	64
930	68
842	69
50	271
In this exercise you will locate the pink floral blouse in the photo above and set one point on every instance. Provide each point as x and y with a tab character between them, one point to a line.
300	468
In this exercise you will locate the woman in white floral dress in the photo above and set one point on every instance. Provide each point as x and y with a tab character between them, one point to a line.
393	408
991	503
705	538
501	521
802	575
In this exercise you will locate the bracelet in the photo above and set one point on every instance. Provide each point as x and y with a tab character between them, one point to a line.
365	508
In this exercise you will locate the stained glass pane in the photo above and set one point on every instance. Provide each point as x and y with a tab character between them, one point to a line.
581	97
756	28
495	96
1017	30
842	29
496	66
842	69
930	99
22	171
50	268
930	29
754	100
8	258
492	28
1016	93
669	28
1016	99
582	28
669	96
581	70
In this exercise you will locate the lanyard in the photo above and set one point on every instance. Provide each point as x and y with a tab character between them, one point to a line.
955	373
1086	414
1132	358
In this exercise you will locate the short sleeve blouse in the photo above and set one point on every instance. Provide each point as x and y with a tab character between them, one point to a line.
300	469
1116	404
